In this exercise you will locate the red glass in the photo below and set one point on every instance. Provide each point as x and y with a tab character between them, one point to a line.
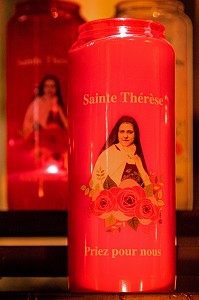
39	36
121	158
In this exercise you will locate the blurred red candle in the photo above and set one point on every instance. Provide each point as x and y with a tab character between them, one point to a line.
39	36
121	158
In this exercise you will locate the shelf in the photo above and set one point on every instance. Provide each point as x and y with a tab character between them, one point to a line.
36	223
62	296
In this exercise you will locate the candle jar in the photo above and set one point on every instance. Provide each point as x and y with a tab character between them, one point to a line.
39	36
178	31
121	158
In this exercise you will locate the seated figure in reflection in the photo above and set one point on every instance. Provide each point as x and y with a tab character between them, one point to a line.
47	109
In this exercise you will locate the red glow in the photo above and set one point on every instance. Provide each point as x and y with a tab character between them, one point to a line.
36	110
121	175
52	169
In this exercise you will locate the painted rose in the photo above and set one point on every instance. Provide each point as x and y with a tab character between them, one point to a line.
127	199
104	202
146	210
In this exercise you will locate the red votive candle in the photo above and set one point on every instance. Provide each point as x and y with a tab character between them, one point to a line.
121	158
39	35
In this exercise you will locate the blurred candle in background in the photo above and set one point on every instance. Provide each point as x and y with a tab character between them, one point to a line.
97	9
39	36
179	33
5	11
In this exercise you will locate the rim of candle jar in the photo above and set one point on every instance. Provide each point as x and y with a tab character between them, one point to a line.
128	5
105	26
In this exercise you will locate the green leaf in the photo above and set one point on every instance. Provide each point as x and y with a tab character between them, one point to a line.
110	221
149	190
91	183
156	188
134	222
160	203
87	191
91	193
83	187
160	194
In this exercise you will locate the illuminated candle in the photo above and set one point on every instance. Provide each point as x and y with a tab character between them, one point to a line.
121	158
39	36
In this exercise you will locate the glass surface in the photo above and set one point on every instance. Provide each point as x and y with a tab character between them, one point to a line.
178	31
122	134
39	36
15	223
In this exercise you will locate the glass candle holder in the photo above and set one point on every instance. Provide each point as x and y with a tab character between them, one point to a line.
121	158
178	31
39	36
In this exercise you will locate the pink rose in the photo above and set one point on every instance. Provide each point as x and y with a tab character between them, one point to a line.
145	209
104	202
127	199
